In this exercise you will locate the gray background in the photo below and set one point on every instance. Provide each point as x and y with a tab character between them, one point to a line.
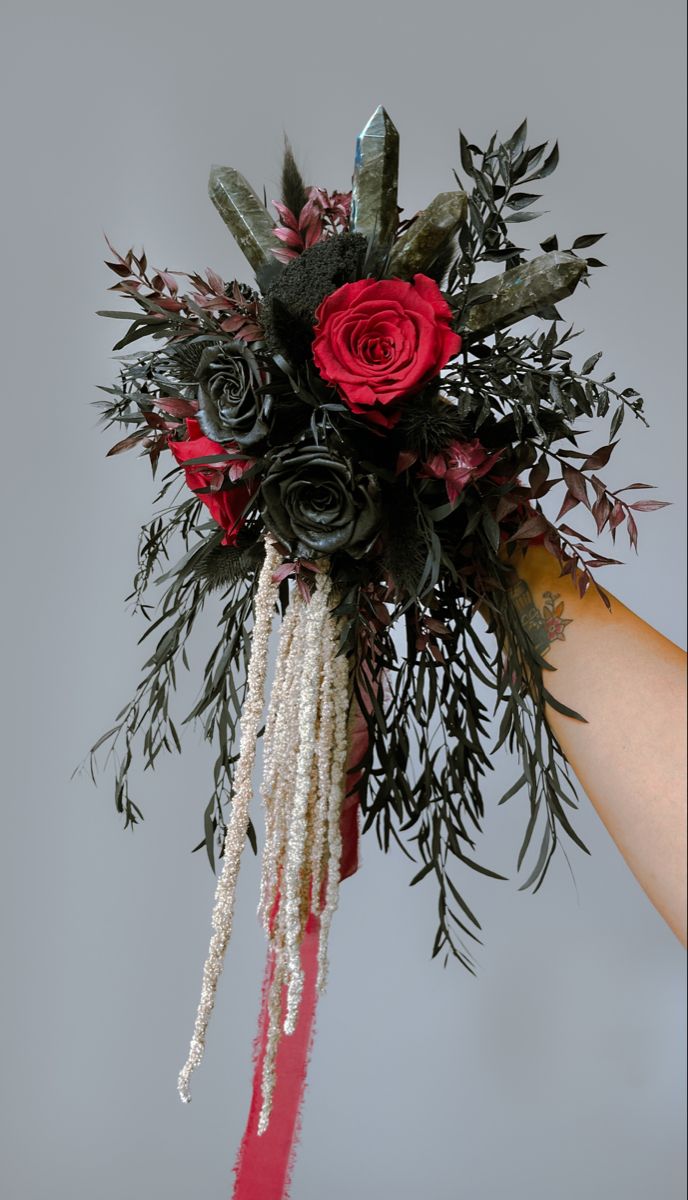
558	1073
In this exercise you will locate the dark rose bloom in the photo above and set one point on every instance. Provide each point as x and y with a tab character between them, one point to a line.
229	407
459	465
228	498
314	504
381	340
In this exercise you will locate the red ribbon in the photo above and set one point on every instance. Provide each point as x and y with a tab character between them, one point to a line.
264	1163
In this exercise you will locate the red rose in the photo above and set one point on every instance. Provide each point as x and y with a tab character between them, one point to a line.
459	465
226	506
379	340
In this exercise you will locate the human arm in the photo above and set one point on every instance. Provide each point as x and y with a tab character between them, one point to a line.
629	682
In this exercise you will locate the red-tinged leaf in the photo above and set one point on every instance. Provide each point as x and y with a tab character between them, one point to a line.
617	515
583	584
433	625
574	533
599	486
575	482
283	256
505	505
633	487
283	572
602	595
116	253
312	234
601	560
157	283
552	545
530	528
649	505
169	304
118	268
126	443
569	502
599	458
437	654
538	475
286	215
232	324
632	532
154	420
303	588
169	281
601	511
216	283
405	459
176	407
290	237
309	211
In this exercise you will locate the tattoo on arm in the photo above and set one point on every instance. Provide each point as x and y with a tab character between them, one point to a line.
543	627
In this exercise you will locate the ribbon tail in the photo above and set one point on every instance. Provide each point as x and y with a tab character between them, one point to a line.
264	1163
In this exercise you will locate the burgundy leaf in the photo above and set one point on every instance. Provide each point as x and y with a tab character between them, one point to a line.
175	406
599	458
286	215
568	503
601	511
290	237
118	268
617	515
505	505
574	533
575	482
530	528
538	476
126	443
216	283
649	505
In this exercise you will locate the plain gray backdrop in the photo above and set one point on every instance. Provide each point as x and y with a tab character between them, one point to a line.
558	1072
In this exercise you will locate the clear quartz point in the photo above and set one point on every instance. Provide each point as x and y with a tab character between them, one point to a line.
244	214
374	211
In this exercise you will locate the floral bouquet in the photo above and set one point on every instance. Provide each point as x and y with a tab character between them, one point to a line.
352	445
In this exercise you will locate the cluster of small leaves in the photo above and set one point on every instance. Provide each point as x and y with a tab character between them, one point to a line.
497	201
424	706
147	719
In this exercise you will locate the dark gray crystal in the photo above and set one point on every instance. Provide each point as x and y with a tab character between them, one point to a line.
521	291
244	214
374	190
418	247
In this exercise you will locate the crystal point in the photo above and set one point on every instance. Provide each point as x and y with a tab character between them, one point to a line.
521	291
244	214
418	247
374	190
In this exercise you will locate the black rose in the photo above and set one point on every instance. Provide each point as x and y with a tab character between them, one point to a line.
314	504
231	409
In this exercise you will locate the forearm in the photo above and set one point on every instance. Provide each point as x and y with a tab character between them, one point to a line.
628	681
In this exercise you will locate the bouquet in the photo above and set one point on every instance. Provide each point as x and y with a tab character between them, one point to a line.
351	450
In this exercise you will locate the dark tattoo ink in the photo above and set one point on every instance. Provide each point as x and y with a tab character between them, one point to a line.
544	627
531	617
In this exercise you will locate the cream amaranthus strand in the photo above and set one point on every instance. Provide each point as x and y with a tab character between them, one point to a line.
303	787
303	791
